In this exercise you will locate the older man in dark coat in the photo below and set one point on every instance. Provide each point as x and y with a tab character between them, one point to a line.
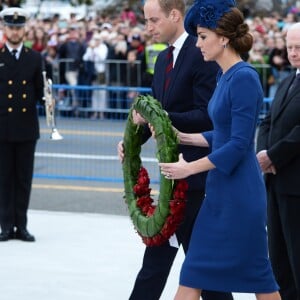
279	157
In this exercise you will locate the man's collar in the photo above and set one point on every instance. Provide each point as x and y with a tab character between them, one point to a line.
11	48
180	41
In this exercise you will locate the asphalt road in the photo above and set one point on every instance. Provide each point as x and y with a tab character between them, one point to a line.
82	173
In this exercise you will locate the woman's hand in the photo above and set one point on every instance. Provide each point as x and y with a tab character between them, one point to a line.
177	170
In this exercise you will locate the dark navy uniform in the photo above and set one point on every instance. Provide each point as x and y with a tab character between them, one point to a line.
21	86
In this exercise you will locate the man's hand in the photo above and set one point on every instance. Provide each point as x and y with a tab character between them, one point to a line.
137	118
271	169
121	153
152	130
265	162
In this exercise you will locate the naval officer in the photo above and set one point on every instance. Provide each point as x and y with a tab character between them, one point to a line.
21	87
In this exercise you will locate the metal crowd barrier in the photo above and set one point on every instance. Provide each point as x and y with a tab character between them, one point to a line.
110	101
84	100
88	150
116	71
120	72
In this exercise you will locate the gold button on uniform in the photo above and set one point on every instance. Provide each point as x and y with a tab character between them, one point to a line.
24	109
10	109
24	82
10	82
24	96
9	96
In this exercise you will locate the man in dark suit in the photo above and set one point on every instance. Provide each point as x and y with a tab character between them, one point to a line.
21	85
185	99
278	146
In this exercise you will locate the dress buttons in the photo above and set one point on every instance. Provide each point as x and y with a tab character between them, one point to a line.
9	96
10	109
24	96
24	109
10	82
24	82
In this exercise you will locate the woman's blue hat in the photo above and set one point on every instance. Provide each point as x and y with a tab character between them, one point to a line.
206	13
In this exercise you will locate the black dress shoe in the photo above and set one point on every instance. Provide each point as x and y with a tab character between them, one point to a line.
7	235
24	235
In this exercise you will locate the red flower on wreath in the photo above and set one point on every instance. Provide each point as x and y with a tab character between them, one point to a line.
145	204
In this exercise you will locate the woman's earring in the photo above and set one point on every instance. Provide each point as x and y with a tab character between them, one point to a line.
225	46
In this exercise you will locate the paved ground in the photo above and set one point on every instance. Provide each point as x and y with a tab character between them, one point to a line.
77	256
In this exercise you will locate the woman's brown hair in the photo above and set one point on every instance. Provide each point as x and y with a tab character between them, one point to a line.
232	26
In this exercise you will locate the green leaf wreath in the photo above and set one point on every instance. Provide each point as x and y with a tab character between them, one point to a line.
154	224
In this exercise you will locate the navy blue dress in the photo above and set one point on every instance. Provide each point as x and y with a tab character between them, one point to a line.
228	249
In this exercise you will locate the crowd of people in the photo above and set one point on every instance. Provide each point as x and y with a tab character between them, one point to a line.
115	50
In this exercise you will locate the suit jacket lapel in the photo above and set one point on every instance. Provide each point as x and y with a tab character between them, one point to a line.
291	95
165	93
23	54
10	62
177	67
283	98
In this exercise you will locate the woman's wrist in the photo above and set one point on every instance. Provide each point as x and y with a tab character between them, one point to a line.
179	136
185	138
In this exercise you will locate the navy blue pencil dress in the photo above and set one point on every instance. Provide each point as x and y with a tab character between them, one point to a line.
228	249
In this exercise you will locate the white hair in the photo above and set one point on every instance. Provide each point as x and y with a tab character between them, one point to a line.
294	26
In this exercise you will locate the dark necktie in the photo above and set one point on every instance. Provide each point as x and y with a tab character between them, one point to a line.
169	67
14	53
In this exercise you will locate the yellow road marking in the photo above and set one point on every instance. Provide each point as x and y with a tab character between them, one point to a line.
81	188
76	188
